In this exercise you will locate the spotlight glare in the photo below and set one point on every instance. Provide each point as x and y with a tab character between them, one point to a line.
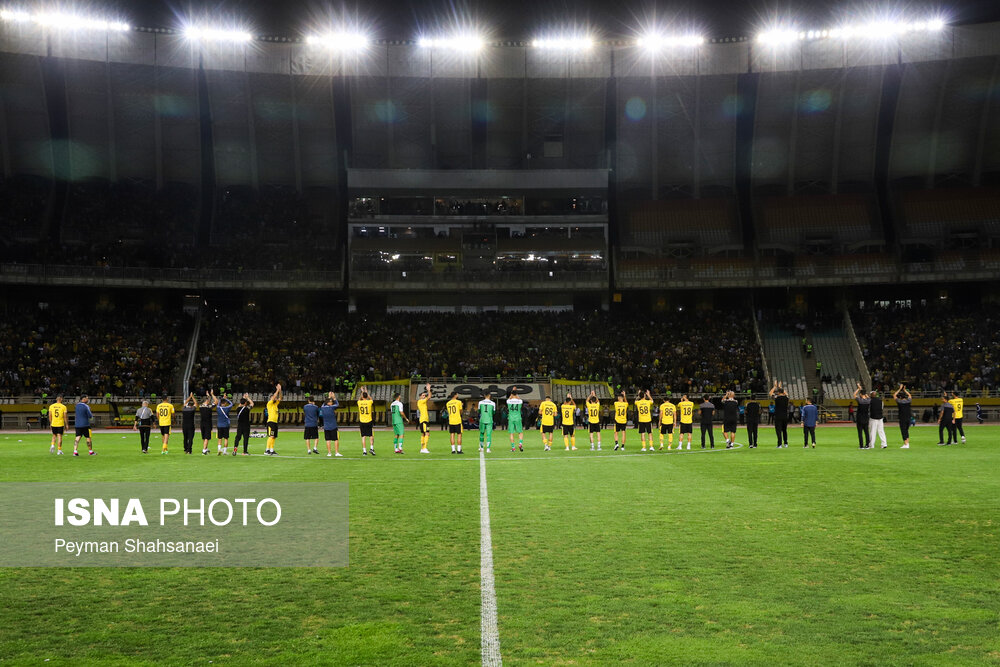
196	33
654	43
463	43
61	21
339	41
564	43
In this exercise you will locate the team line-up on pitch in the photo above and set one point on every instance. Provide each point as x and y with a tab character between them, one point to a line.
321	413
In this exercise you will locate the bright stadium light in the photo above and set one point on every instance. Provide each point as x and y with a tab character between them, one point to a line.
467	43
778	37
197	33
564	43
654	42
872	30
63	21
339	41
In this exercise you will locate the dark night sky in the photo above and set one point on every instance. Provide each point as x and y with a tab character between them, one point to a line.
524	19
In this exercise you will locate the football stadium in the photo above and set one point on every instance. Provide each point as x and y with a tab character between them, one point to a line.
642	345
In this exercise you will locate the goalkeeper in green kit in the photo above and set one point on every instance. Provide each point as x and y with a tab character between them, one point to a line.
398	416
486	409
514	405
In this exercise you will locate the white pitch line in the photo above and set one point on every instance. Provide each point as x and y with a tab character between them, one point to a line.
490	642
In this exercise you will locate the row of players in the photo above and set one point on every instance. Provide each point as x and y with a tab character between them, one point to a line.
870	421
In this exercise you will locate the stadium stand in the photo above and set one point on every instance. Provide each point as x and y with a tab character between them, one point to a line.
937	347
74	351
830	223
317	351
784	359
840	373
954	216
702	223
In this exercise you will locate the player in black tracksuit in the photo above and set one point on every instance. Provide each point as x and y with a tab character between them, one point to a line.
707	411
905	406
861	419
187	422
243	423
751	412
780	413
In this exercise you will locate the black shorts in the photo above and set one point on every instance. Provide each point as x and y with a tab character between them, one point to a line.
567	430
620	427
272	429
687	428
310	433
455	428
57	430
548	429
729	427
206	433
366	430
904	430
666	428
165	430
223	432
595	428
424	428
331	434
645	427
83	432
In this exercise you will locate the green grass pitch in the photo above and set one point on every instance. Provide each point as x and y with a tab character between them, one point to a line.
826	556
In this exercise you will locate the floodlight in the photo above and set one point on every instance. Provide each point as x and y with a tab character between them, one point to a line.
778	37
62	21
655	42
197	33
339	41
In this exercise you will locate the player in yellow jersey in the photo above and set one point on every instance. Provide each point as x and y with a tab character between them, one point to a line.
454	408
686	411
644	415
57	422
621	419
165	417
365	415
272	420
547	409
568	414
594	419
959	404
423	419
668	416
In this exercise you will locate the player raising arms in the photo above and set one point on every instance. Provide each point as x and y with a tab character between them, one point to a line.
594	419
487	408
243	424
568	415
398	416
548	412
206	412
328	413
222	421
644	416
668	416
905	407
686	410
423	418
730	417
514	424
57	422
621	419
454	408
365	421
272	420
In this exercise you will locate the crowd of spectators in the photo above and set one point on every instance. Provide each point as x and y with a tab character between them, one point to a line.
689	352
75	351
931	348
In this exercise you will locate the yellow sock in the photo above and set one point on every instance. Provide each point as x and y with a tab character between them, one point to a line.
661	440
566	441
270	443
572	440
670	439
